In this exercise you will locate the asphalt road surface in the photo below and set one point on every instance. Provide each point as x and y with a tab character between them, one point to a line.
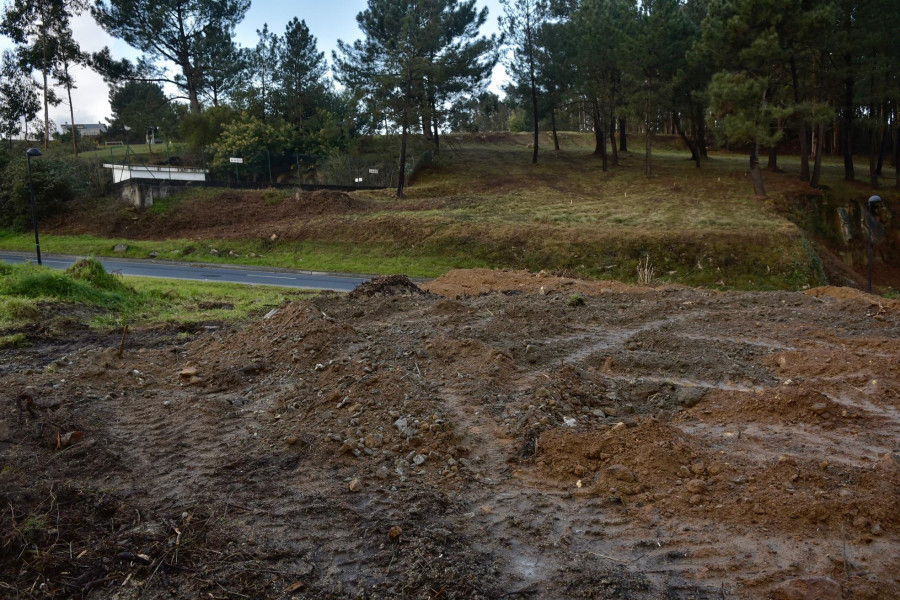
309	280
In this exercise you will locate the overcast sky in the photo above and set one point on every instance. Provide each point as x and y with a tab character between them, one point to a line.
328	21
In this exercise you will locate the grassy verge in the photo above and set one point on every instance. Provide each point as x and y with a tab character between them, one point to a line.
34	294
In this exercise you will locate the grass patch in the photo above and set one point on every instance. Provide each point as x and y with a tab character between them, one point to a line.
16	340
138	301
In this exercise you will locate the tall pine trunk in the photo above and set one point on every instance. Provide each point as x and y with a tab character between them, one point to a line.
623	140
612	140
756	172
801	124
534	101
817	165
847	128
692	146
553	125
648	165
71	109
599	136
404	130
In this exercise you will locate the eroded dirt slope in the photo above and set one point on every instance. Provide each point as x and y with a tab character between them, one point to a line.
504	435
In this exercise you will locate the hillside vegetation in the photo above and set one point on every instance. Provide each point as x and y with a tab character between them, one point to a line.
481	204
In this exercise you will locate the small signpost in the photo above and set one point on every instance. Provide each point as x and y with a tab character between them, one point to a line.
237	161
373	171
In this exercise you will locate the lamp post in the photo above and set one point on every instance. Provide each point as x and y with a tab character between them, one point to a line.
869	221
37	244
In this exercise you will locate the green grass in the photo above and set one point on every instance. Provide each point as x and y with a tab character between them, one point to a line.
27	292
483	204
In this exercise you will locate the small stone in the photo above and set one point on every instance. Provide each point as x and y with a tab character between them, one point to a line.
569	422
194	380
320	367
876	529
394	533
886	463
818	408
698	467
621	473
808	588
696	486
292	440
153	254
120	248
355	484
374	440
715	468
188	372
696	500
401	424
419	460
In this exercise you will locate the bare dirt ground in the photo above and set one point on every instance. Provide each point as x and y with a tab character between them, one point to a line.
503	435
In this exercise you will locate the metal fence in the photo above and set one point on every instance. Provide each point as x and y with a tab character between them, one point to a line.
278	169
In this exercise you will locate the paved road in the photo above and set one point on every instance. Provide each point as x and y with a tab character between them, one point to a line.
309	280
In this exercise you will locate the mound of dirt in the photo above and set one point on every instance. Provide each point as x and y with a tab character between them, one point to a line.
848	293
473	282
785	404
390	285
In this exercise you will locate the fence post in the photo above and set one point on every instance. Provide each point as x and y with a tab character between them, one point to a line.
168	160
269	159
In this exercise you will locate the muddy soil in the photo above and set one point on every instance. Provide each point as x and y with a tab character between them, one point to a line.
502	435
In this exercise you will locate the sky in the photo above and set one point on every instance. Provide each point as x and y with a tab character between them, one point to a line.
328	21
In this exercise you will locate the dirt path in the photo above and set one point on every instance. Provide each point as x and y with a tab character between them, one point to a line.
512	442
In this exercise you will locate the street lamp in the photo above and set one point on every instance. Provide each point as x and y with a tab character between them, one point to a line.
37	244
869	222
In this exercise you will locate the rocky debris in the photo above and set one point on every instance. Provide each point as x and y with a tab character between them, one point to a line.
355	485
620	473
188	372
696	486
120	248
390	285
808	588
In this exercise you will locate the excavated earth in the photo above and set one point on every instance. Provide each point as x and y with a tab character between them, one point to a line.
493	435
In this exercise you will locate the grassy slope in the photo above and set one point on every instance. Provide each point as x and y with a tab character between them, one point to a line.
484	204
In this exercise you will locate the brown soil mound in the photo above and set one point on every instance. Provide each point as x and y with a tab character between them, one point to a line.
786	404
848	293
473	282
390	285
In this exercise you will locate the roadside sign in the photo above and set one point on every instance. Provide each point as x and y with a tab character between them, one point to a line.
373	171
238	161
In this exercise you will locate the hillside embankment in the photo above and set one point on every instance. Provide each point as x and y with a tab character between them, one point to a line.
482	204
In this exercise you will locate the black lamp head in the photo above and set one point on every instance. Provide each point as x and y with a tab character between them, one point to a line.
33	152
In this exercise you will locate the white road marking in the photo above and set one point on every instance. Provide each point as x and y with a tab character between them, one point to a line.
270	276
